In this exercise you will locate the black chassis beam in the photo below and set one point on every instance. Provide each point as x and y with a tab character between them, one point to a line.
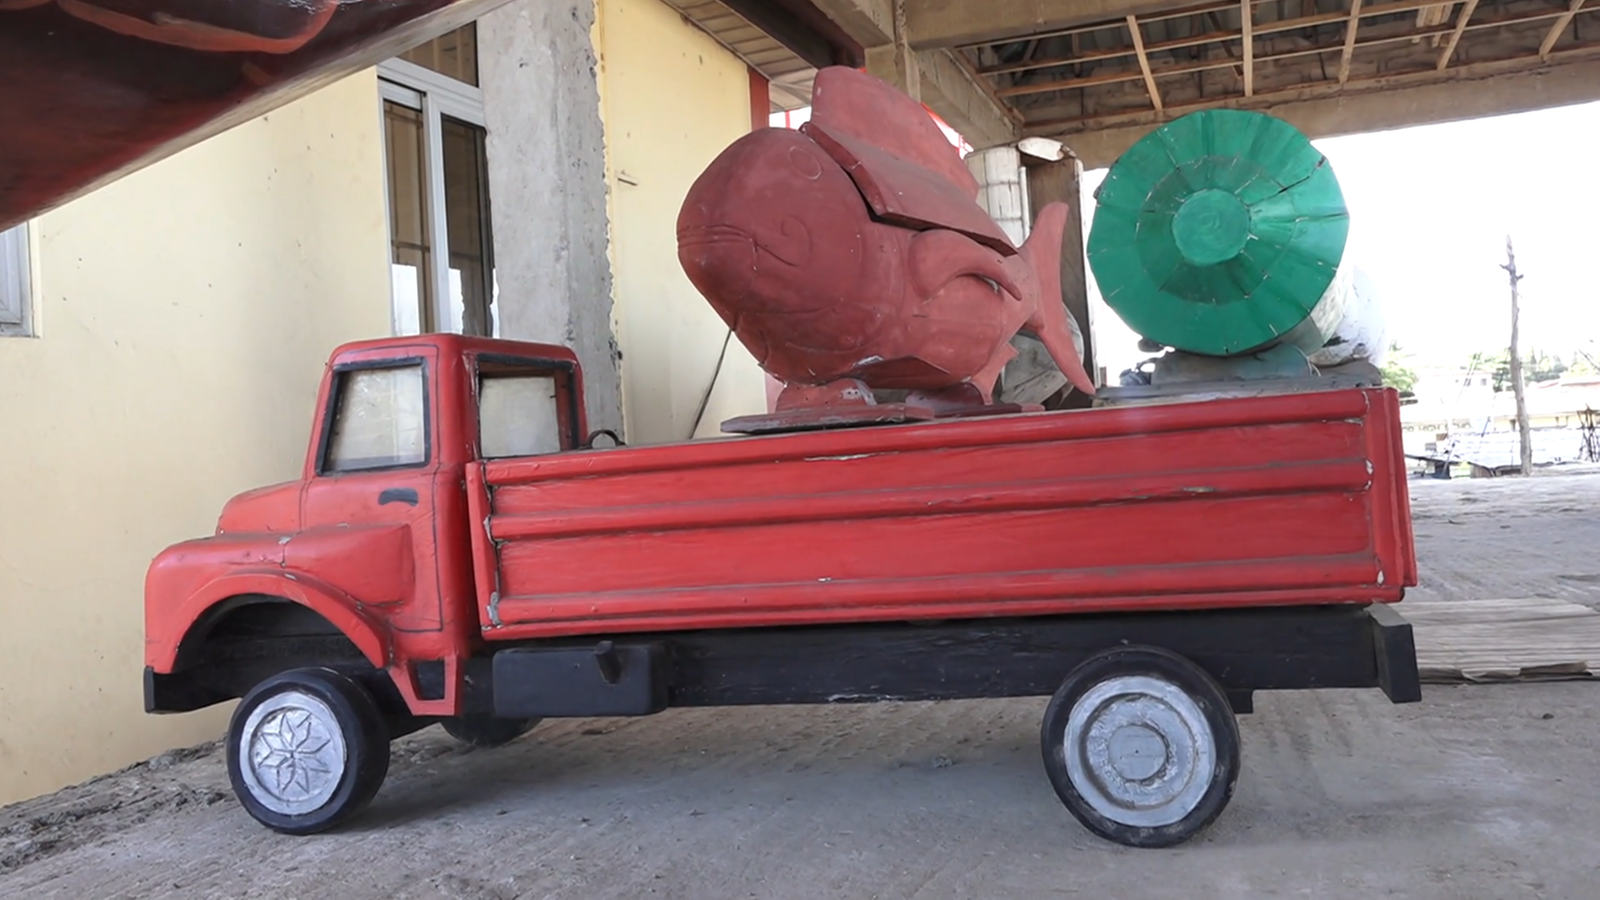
1246	650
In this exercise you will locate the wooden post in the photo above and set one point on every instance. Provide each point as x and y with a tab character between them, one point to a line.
1516	362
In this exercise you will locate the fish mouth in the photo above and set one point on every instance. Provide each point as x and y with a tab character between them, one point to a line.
708	235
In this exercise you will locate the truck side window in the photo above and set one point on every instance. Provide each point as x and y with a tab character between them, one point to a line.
518	416
378	421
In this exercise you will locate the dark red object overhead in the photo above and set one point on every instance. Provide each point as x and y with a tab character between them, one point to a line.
94	89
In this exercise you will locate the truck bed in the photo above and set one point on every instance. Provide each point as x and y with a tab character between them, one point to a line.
1277	501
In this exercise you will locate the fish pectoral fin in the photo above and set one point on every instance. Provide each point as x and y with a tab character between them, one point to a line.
939	257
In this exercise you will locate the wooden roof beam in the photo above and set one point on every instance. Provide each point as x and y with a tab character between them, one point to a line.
1349	40
1258	29
959	23
1247	16
1556	29
1144	62
1455	36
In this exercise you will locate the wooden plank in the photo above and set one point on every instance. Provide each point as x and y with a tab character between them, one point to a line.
1455	36
1464	612
1066	126
1144	62
1556	29
1505	639
1247	15
1349	41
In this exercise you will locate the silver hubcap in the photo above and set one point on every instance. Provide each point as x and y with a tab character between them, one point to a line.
292	753
1139	751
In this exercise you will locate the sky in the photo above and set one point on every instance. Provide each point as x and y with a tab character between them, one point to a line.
1430	209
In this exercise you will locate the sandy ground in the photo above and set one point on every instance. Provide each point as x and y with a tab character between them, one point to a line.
1483	791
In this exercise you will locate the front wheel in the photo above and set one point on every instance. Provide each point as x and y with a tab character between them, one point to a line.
307	749
1142	746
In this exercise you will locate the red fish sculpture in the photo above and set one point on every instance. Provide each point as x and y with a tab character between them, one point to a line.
852	256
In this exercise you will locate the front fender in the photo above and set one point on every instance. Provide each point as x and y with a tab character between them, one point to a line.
340	609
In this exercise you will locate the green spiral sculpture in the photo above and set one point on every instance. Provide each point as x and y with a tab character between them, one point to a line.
1221	233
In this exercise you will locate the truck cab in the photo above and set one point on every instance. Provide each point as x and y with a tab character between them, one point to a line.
357	560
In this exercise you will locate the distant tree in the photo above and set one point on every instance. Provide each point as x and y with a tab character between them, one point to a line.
1540	366
1496	365
1396	373
1536	366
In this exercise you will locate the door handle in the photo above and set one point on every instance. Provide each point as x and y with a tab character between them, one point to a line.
398	495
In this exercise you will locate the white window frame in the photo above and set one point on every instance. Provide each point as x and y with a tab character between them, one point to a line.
435	96
16	283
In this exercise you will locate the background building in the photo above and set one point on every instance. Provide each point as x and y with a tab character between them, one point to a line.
161	340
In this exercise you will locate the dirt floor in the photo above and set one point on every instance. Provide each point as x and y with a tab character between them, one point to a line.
1484	791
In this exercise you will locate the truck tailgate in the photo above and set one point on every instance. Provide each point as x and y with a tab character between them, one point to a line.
1264	501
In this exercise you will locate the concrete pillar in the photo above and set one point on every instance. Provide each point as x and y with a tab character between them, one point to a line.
896	63
547	188
1002	190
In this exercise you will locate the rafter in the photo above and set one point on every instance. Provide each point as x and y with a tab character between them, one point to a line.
1556	29
1134	73
1587	53
1349	40
1144	62
1455	36
1258	29
1247	16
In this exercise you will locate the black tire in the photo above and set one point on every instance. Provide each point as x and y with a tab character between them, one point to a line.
305	715
1096	790
486	731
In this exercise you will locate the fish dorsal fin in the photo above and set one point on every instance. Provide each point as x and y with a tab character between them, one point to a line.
899	160
847	101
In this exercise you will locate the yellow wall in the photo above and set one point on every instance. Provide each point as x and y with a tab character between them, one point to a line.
671	99
184	315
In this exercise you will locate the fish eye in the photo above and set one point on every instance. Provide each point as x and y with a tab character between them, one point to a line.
805	163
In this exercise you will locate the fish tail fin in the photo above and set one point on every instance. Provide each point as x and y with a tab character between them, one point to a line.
1050	320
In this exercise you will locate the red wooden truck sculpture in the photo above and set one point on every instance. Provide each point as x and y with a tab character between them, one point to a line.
456	551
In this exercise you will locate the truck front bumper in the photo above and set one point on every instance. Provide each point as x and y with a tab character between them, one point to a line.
178	692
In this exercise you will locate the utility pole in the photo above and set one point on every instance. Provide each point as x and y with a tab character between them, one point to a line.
1516	362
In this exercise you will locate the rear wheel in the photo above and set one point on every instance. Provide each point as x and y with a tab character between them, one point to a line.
1142	746
307	749
487	731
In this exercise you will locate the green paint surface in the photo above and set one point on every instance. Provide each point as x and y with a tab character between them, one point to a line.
1218	232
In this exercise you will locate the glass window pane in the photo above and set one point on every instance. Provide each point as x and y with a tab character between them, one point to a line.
517	416
408	217
15	280
466	200
379	420
453	55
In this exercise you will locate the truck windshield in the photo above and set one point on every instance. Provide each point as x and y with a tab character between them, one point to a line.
518	414
379	420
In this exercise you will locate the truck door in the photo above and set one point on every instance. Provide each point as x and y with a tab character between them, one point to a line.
369	505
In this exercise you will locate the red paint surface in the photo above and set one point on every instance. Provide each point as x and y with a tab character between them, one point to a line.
760	100
856	249
1260	502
